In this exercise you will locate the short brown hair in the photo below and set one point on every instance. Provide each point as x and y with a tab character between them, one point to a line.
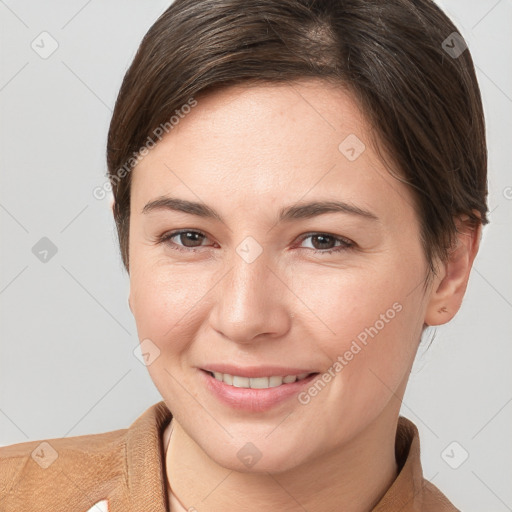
421	99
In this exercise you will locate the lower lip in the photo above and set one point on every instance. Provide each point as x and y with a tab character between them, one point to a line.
254	400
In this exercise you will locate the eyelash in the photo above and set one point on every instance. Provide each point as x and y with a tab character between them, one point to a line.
346	243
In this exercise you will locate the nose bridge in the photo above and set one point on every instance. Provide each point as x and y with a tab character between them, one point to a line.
251	298
250	276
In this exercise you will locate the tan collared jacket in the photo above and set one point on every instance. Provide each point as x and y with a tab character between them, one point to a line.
124	471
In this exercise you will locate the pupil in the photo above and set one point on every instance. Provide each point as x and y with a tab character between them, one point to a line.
189	236
324	238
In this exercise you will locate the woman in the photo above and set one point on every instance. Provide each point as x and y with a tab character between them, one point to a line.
299	193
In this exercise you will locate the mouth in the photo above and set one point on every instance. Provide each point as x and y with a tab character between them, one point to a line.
272	381
255	394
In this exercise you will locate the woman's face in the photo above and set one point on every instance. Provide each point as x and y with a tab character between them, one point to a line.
243	292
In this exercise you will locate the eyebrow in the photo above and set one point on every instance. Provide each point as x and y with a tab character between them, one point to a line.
289	213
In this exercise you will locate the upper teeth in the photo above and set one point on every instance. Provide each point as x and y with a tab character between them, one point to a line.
257	382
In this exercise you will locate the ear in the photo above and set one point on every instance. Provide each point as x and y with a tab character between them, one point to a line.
112	204
452	278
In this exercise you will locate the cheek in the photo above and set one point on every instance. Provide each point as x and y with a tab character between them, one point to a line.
354	303
164	298
376	305
374	324
166	301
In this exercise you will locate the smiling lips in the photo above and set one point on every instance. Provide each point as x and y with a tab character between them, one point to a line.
255	389
257	382
256	377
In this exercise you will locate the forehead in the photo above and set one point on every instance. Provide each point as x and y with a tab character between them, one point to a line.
268	141
293	112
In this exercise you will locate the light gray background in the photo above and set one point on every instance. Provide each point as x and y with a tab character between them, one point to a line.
67	365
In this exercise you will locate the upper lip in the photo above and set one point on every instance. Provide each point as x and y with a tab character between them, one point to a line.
256	371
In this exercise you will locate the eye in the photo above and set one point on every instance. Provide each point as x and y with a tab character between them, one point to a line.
189	240
185	237
324	239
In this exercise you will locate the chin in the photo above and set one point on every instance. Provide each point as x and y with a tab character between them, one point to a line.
259	457
268	462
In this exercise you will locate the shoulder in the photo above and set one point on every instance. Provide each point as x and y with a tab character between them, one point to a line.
434	500
410	489
75	473
70	467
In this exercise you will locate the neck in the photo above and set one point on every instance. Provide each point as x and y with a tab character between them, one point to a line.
352	479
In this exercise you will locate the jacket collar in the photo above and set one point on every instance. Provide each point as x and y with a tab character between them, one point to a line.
146	478
406	491
147	484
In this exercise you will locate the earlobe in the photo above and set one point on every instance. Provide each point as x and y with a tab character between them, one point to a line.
450	284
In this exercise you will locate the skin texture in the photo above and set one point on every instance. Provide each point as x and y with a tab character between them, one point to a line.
248	152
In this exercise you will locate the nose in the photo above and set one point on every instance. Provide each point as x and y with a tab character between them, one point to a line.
253	300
